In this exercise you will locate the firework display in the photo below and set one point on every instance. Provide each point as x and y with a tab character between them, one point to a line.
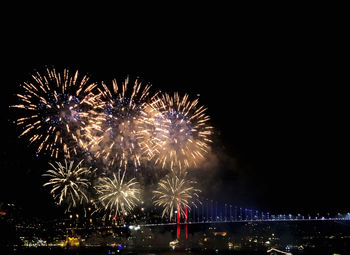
178	134
69	183
114	134
123	126
175	192
116	195
56	109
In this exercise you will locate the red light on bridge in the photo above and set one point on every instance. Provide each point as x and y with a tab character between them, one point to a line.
3	213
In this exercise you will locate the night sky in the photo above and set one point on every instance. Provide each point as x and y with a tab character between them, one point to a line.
274	95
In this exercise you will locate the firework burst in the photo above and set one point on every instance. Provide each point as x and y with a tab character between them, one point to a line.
176	133
175	192
116	195
56	108
114	135
69	183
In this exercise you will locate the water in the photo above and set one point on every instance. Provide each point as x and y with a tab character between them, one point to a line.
165	251
329	238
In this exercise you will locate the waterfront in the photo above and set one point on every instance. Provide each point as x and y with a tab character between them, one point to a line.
108	251
254	238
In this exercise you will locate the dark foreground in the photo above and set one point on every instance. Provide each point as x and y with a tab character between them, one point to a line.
165	251
253	238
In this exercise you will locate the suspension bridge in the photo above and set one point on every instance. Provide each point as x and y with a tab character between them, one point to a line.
213	212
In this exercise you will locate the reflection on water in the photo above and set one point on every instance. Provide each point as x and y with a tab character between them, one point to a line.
302	238
108	251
